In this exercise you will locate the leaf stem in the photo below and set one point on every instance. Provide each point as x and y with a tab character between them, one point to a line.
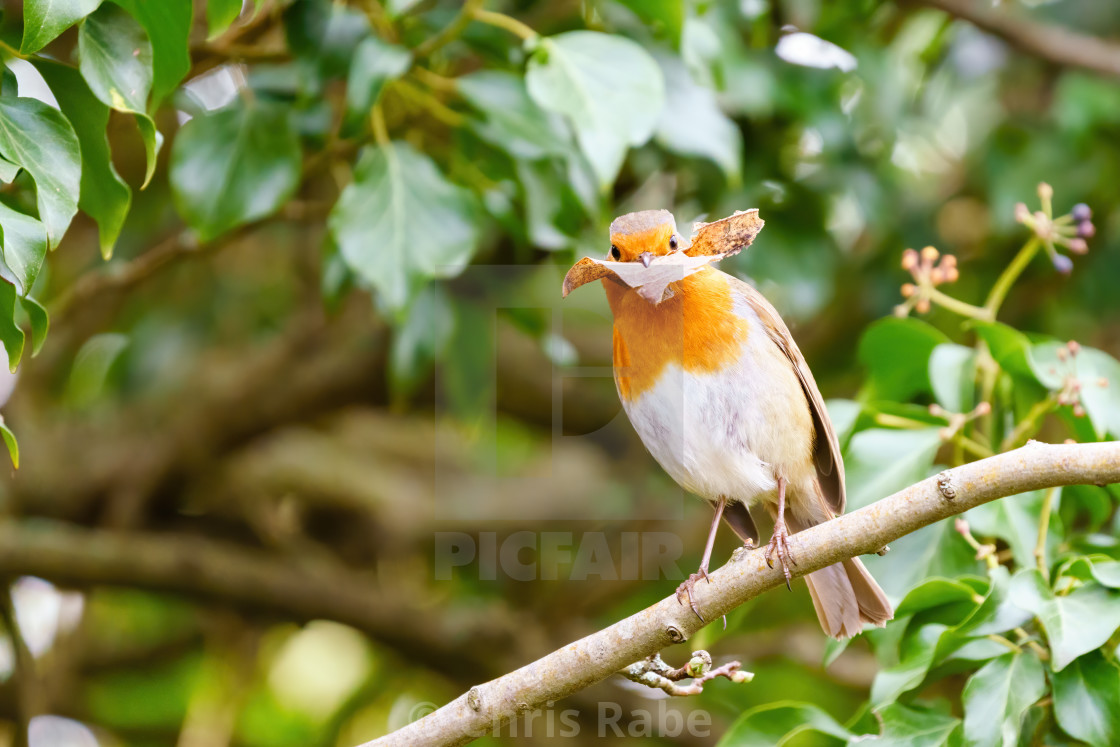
1010	274
899	421
1043	528
1029	424
451	31
434	106
9	49
502	21
1006	642
974	447
960	307
377	124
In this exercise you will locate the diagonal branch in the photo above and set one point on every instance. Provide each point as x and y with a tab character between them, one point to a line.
1053	43
601	654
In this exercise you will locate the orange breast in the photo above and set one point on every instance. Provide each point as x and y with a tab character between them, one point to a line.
697	329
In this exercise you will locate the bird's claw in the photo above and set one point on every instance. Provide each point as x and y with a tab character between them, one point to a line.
779	545
686	589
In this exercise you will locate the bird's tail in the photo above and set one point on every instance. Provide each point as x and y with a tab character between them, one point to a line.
845	595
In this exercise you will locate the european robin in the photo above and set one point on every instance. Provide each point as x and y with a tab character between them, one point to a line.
719	393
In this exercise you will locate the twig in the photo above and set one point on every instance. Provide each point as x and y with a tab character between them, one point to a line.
601	654
1052	43
654	672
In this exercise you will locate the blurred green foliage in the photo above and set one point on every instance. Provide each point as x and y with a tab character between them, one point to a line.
243	167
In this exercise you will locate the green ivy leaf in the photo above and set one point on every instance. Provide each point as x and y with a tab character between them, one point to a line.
996	614
104	195
25	246
234	166
220	14
91	367
513	120
551	210
1075	623
1007	345
8	171
401	221
998	695
1086	699
934	592
952	374
10	333
775	724
609	88
1107	572
168	25
910	726
10	442
115	58
936	550
692	123
44	20
915	657
1015	519
881	461
374	64
40	322
1099	374
420	340
40	140
666	15
896	353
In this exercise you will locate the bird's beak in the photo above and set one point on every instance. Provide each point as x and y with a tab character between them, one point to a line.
645	258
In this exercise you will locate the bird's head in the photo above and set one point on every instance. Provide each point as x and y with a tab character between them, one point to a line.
648	254
639	237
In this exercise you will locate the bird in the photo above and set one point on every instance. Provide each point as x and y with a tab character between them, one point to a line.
722	398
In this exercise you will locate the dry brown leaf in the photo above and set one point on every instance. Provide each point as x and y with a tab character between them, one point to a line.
727	236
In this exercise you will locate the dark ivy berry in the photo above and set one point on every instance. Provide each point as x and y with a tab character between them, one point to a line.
1063	264
1081	212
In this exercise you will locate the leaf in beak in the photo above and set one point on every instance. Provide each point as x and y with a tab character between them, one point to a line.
727	236
652	276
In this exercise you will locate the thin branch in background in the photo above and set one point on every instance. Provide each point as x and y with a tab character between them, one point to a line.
645	633
1052	43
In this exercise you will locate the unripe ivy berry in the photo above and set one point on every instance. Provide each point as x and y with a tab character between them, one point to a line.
1062	263
1081	212
1086	229
1078	246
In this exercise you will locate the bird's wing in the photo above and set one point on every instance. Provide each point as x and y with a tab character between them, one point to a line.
826	446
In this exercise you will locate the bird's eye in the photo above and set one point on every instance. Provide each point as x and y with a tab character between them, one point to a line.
672	242
615	253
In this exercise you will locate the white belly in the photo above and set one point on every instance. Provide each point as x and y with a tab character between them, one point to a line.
732	433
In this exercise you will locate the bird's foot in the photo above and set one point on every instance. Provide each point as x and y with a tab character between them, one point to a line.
779	545
685	589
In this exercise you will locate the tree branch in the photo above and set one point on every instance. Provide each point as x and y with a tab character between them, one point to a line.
221	572
601	654
1053	43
